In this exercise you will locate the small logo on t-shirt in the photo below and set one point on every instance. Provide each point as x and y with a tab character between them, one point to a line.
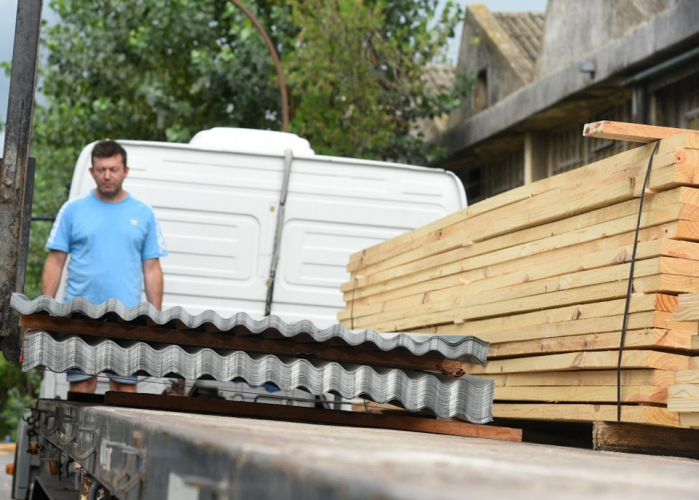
134	222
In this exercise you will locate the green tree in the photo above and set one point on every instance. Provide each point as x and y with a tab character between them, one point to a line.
159	70
164	69
359	76
21	389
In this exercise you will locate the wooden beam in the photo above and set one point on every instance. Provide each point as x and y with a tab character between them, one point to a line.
586	413
634	132
588	249
578	327
689	419
515	277
228	340
639	377
678	196
614	221
312	415
592	360
599	169
635	339
497	303
683	398
531	323
583	394
645	439
687	308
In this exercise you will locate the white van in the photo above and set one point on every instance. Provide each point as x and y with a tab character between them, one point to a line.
219	200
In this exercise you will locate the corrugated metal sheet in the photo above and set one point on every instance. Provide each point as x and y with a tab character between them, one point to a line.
468	397
468	349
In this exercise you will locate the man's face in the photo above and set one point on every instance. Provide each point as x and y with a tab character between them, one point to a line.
109	174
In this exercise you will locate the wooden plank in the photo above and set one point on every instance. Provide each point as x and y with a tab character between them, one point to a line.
588	326
526	272
554	317
635	339
565	202
593	360
583	394
680	203
645	439
587	413
593	171
253	343
528	263
687	377
634	132
444	272
687	308
647	377
687	197
683	398
689	419
443	264
501	303
312	415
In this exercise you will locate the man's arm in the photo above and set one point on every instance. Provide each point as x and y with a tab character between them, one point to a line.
52	272
153	281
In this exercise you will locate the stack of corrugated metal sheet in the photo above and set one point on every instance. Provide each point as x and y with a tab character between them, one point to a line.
466	397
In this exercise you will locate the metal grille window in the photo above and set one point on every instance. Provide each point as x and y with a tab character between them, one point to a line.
565	148
493	178
568	149
691	116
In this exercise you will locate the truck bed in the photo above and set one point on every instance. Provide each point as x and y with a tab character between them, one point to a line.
143	454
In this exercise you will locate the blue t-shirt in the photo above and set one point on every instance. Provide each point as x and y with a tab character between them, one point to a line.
107	243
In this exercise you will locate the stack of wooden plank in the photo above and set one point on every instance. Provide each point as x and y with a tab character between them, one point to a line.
683	396
542	273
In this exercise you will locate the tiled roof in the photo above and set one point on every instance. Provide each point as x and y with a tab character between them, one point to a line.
526	29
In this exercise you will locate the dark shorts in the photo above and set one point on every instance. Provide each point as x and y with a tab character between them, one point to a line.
79	376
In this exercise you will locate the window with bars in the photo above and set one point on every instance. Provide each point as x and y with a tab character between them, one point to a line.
486	180
568	149
691	115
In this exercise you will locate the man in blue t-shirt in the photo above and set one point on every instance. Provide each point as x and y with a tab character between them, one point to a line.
115	244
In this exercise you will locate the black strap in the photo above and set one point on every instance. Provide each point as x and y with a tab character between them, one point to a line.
629	291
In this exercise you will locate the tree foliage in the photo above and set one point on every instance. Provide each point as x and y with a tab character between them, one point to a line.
359	75
164	69
21	389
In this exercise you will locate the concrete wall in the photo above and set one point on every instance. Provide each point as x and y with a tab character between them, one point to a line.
578	27
484	45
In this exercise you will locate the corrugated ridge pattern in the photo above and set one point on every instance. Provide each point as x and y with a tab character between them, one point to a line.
469	349
468	397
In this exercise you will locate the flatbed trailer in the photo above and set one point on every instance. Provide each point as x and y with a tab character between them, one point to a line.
152	454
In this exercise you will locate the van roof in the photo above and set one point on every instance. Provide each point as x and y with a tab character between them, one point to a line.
246	140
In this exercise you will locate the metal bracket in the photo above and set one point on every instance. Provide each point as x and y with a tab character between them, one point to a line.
44	428
95	433
66	417
124	479
221	488
288	159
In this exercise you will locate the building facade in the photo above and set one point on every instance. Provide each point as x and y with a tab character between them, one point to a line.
539	77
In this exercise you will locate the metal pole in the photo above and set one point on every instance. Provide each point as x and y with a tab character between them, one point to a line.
15	183
277	63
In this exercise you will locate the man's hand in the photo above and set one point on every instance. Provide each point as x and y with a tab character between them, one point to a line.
153	281
52	272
